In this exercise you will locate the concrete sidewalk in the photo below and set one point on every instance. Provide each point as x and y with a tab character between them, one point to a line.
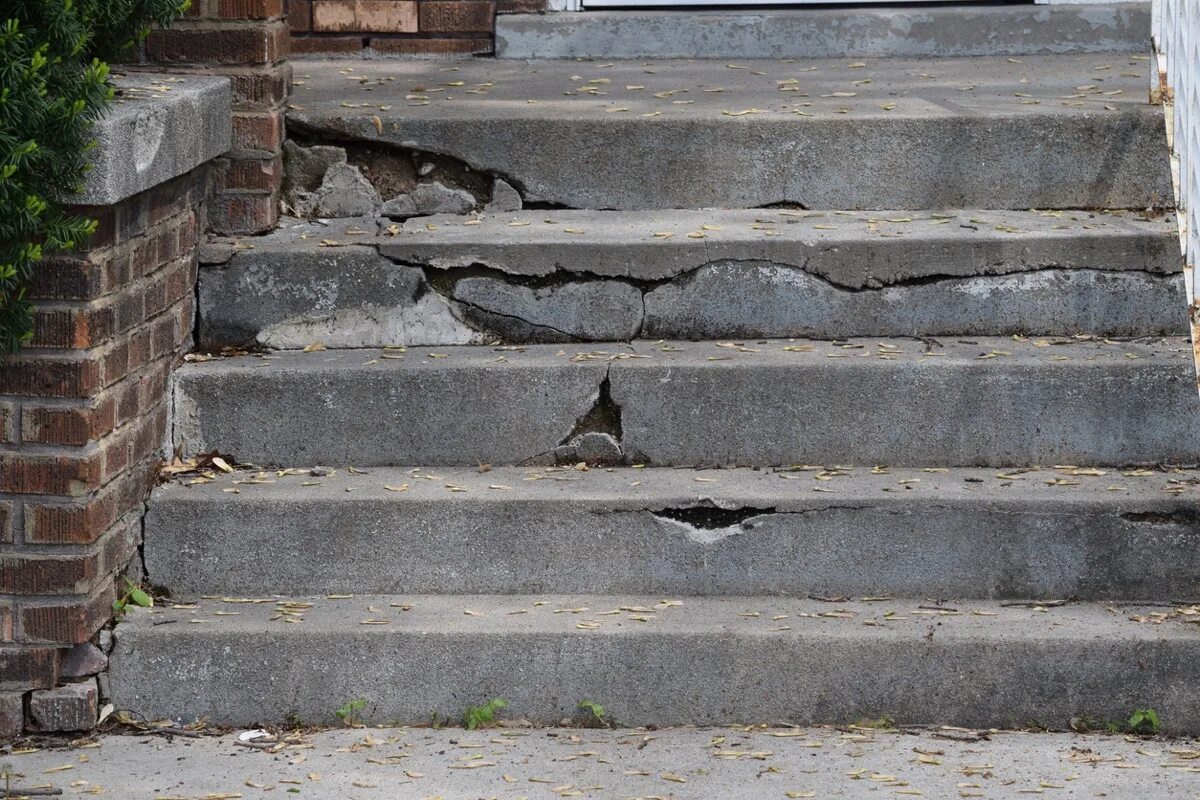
724	763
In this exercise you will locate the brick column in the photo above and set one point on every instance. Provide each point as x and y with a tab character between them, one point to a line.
84	406
248	41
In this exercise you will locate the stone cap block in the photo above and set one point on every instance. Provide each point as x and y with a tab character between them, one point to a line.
159	126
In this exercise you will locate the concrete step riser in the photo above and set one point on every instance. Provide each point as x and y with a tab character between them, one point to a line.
612	276
1005	671
958	133
627	532
988	402
828	33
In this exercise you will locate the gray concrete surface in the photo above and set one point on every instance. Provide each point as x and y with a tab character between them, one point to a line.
895	133
606	276
827	33
158	127
655	660
679	763
970	402
1048	533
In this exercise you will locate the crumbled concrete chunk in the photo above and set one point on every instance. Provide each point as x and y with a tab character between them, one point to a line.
504	197
346	193
428	199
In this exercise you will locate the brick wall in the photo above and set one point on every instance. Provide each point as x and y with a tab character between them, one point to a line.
248	41
399	27
83	415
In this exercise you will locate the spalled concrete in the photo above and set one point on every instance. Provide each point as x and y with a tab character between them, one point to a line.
680	763
289	290
981	402
608	276
840	32
650	661
1093	534
888	133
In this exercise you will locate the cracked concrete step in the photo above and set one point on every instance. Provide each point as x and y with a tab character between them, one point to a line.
704	661
976	402
532	276
1067	131
1092	534
827	33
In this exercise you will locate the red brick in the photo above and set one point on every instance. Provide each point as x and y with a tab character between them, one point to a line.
376	16
76	425
68	621
433	47
29	375
521	6
243	213
6	521
259	131
457	16
8	422
258	88
28	667
300	15
68	476
249	9
28	575
313	45
248	174
265	44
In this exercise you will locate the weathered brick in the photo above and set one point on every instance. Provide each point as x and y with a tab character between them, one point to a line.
67	621
35	375
243	213
72	425
64	708
262	131
28	667
87	519
521	6
457	16
7	509
376	16
30	574
300	15
258	88
248	174
265	44
314	45
249	9
433	47
71	475
8	422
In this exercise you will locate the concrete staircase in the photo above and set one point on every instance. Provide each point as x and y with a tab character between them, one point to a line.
749	392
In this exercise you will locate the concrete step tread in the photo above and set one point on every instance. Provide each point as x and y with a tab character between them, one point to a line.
1067	532
655	659
662	244
610	358
958	30
886	619
682	763
992	87
782	490
949	402
832	133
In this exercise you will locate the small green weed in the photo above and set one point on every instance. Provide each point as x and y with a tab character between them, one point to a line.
1144	722
478	716
134	595
594	713
348	713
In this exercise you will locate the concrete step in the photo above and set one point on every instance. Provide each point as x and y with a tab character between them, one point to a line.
699	660
968	402
1067	131
531	276
961	30
1091	534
